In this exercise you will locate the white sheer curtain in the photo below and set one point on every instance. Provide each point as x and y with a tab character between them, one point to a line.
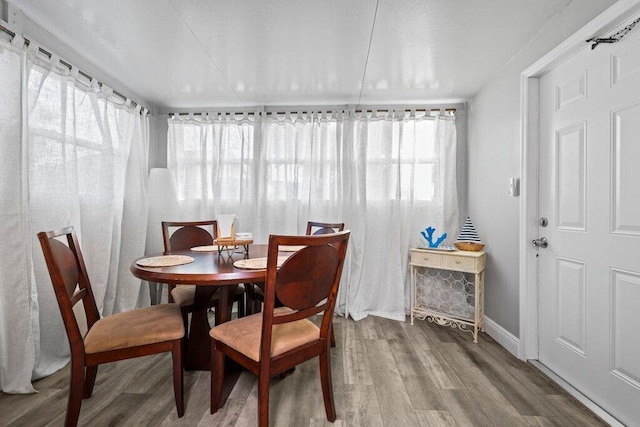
213	161
401	180
387	176
274	186
17	298
82	162
300	171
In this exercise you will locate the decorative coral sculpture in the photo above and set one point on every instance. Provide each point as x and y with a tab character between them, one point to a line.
429	237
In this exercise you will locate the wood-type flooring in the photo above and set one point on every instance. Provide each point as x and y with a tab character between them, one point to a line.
385	373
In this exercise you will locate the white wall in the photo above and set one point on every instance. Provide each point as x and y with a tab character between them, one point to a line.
494	157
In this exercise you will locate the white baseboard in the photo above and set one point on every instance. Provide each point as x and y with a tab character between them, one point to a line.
502	336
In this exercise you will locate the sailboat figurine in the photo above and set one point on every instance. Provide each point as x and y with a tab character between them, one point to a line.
468	239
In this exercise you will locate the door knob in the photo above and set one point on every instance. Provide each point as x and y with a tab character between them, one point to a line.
542	242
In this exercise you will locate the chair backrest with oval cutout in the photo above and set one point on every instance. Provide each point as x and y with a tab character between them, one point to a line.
188	234
307	282
70	281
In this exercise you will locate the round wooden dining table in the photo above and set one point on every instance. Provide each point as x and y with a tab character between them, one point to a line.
209	271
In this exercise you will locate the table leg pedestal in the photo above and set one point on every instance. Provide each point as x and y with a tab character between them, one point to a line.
198	357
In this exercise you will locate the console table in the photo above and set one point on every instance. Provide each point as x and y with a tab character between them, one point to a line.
447	288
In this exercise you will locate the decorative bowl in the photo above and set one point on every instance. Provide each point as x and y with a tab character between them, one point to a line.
469	246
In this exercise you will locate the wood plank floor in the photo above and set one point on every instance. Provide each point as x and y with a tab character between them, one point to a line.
385	373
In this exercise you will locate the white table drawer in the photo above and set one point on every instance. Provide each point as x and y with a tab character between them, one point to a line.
459	263
426	259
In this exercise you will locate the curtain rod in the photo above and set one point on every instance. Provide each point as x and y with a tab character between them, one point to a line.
251	113
80	72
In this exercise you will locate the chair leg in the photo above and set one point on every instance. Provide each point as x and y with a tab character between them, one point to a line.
327	388
169	297
256	303
185	322
241	305
75	393
332	335
215	305
256	306
178	376
217	375
89	381
250	299
263	397
153	292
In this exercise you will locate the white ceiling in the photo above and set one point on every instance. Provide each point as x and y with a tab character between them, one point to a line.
212	53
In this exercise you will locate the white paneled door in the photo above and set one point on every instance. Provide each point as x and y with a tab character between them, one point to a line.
589	274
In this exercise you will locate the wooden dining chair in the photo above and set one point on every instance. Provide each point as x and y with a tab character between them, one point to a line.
135	333
255	295
315	228
279	338
189	234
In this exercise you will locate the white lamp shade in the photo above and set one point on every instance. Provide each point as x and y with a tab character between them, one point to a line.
163	206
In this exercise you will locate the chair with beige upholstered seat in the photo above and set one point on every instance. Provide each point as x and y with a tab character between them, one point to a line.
134	333
255	297
278	339
183	235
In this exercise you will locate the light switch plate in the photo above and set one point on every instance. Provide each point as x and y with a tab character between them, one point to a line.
514	187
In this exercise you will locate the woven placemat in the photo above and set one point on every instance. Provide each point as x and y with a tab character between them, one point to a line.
286	248
164	261
209	248
257	263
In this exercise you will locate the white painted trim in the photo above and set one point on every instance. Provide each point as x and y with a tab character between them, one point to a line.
501	336
529	95
602	25
590	404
